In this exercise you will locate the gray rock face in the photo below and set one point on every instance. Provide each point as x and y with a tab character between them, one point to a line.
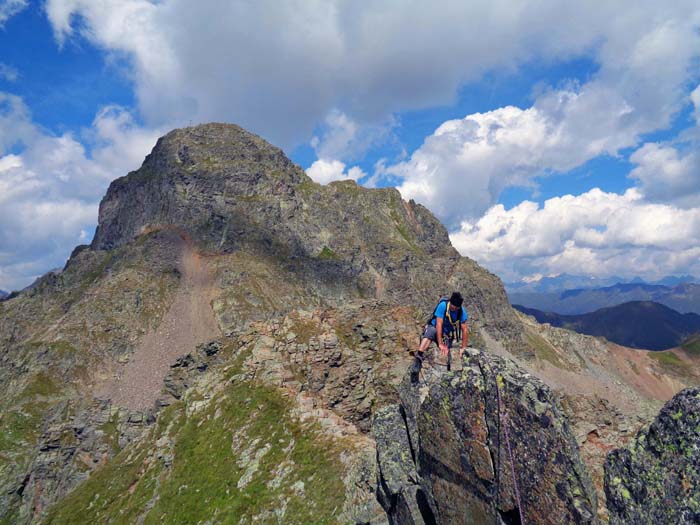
276	241
74	444
657	478
228	188
443	455
186	369
230	191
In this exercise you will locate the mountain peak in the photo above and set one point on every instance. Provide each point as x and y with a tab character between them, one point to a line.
190	180
227	190
214	145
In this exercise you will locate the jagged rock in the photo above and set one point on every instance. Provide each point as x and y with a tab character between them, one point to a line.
275	241
187	368
230	191
656	479
443	455
361	504
72	447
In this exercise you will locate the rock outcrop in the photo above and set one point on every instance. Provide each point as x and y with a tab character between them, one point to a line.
319	293
231	193
444	453
656	479
275	242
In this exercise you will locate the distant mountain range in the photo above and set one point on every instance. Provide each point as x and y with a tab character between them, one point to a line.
684	298
3	294
565	281
636	324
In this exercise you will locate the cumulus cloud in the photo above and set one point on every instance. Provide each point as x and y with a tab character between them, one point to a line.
596	233
289	70
15	122
50	190
9	8
668	174
325	171
695	98
8	73
463	167
281	68
341	137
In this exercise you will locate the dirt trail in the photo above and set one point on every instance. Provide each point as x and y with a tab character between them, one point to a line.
189	322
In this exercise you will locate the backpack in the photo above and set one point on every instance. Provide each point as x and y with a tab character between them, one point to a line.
457	326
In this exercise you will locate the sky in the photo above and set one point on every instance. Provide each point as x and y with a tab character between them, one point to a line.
548	136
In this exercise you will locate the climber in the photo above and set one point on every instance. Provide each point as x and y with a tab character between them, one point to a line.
447	324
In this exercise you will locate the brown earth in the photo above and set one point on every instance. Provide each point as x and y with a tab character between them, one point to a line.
190	321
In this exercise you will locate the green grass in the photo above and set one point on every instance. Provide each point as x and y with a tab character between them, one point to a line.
41	384
544	351
21	417
94	273
692	346
669	361
348	187
202	483
308	187
111	432
18	428
328	255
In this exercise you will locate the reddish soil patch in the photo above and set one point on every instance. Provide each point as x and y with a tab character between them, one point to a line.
189	322
639	370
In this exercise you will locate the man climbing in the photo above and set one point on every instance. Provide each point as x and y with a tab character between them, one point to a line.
447	324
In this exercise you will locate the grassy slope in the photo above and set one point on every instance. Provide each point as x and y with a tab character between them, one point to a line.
193	464
64	328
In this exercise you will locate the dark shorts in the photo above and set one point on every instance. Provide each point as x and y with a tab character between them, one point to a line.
431	333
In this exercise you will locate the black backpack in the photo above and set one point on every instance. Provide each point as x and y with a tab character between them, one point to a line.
457	327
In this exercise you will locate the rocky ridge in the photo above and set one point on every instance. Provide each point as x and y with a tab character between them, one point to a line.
232	193
320	292
445	451
274	240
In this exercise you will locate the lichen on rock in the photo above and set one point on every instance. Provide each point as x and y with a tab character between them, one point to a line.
656	479
443	453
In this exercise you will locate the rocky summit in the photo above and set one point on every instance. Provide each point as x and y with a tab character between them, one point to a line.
233	347
231	192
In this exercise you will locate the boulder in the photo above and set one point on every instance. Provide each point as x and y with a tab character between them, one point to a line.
448	451
656	479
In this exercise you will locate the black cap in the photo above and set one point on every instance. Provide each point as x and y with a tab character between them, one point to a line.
456	299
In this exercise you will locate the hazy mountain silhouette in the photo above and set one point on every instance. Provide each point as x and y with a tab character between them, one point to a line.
637	324
684	298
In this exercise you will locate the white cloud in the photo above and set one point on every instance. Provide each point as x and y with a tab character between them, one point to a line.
8	73
461	170
9	8
15	122
695	98
10	161
341	137
280	68
49	192
340	132
325	171
667	174
595	233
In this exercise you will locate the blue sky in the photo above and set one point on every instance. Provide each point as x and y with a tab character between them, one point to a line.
548	138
